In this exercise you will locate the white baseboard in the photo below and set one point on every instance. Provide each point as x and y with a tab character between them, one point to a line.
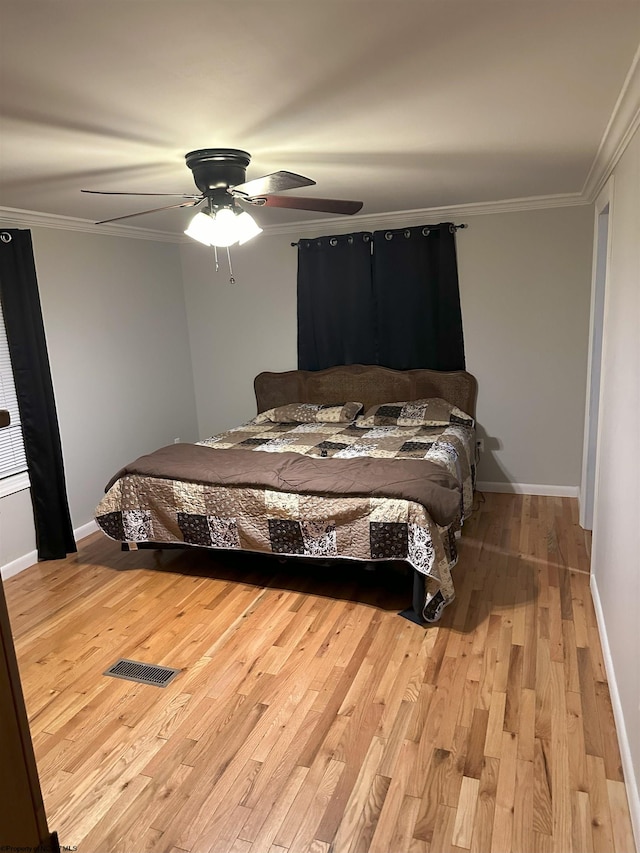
529	489
30	559
630	780
19	565
85	530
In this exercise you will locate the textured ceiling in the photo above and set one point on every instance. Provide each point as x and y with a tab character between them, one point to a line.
405	105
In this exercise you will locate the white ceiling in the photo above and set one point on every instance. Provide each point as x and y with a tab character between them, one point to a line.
404	105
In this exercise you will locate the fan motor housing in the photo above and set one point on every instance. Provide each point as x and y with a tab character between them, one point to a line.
215	168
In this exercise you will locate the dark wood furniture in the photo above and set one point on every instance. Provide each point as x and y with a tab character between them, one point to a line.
366	383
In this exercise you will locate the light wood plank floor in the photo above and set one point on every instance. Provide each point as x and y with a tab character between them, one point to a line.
309	717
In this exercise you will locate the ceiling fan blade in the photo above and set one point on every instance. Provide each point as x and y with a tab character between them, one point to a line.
324	205
108	192
273	183
154	210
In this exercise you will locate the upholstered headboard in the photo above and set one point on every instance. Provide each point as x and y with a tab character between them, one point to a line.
368	384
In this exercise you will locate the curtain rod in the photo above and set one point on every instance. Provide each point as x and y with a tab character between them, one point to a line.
430	227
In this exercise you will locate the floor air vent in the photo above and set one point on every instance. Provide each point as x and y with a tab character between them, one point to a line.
144	673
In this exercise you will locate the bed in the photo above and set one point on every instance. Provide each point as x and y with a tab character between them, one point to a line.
357	462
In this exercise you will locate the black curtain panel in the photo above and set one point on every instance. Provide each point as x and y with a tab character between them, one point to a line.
34	389
417	298
336	312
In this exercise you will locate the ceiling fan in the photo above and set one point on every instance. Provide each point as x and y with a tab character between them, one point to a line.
220	176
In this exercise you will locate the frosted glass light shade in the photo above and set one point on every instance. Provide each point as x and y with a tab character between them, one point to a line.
247	227
224	228
199	228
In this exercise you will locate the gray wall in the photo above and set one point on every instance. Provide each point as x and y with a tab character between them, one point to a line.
616	531
138	359
116	330
524	280
525	289
238	330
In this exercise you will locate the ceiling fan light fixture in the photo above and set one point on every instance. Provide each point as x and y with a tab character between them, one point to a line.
222	227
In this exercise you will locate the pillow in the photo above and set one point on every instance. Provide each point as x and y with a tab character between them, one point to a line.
310	413
433	411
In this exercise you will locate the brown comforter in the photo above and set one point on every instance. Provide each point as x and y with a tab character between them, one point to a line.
419	480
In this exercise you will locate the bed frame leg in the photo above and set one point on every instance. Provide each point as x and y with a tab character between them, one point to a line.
414	613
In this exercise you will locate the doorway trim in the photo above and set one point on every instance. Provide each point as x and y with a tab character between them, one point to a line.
598	310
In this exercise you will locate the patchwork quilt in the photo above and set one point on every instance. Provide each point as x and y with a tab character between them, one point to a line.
142	508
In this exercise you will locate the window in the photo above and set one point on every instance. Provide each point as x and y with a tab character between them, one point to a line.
12	458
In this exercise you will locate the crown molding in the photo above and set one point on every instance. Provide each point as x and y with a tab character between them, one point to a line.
407	218
16	218
624	121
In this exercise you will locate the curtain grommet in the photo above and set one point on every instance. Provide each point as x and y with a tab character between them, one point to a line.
388	236
366	237
333	241
350	239
407	234
426	232
6	237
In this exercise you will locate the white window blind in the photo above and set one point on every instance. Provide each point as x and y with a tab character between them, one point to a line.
12	458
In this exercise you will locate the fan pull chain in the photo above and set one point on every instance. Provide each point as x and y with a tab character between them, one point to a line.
217	263
231	278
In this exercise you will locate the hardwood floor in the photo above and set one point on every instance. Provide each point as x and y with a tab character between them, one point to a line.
309	717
